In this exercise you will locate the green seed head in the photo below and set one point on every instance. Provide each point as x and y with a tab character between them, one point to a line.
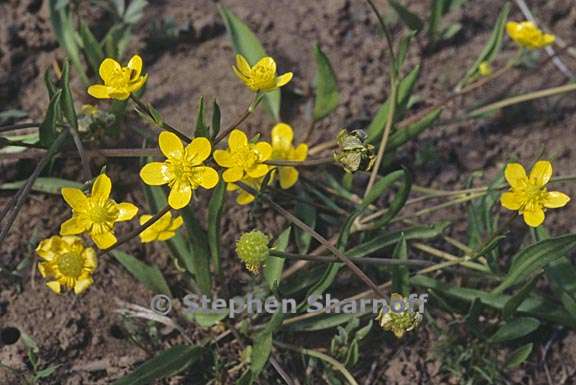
252	248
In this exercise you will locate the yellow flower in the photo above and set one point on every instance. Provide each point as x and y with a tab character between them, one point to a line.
67	262
243	158
527	34
262	77
96	213
183	170
528	195
119	82
401	322
282	149
162	230
485	69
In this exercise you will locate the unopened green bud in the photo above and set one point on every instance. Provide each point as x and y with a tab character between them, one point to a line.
252	249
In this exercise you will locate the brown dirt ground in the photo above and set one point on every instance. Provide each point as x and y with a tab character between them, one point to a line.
82	334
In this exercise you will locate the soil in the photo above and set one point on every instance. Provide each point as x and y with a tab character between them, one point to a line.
84	335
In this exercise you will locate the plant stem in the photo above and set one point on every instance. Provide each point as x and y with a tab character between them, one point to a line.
27	187
304	227
240	119
304	163
84	159
363	260
163	125
18	126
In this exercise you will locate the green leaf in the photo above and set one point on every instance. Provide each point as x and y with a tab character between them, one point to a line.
398	202
66	35
67	99
247	44
207	320
562	276
390	238
134	12
536	257
263	344
201	128
150	276
516	300
214	217
400	273
405	88
47	129
519	355
307	213
274	265
216	120
514	329
326	89
533	305
199	263
493	45
321	322
92	48
165	364
403	46
409	18
43	184
403	135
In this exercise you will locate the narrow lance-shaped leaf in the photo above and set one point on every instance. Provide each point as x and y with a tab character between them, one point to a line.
274	265
247	44
400	274
214	217
216	120
149	276
67	99
47	129
201	128
92	48
515	329
200	251
409	18
325	87
163	365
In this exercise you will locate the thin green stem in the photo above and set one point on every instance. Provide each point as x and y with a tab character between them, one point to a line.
84	158
363	260
304	163
145	108
251	108
19	126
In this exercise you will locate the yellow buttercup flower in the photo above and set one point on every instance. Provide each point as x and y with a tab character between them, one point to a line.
243	159
528	195
161	230
183	170
119	82
96	213
262	76
282	149
528	35
66	262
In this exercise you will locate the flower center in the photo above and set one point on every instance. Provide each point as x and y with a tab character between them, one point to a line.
245	157
183	171
535	196
70	264
103	212
121	77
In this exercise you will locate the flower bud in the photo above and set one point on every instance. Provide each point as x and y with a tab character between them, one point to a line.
252	248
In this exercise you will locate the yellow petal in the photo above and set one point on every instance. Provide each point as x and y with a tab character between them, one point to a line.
180	195
264	151
75	198
243	66
108	68
233	174
145	218
534	218
99	91
283	79
267	63
206	177
72	226
231	187
244	198
170	145
198	151
541	172
165	235
512	28
548	39
515	175
223	158
90	261
54	286
82	284
258	171
282	136
556	199
148	236
155	173
288	177
135	65
237	140
512	200
119	93
103	240
176	224
102	187
135	86
300	153
126	211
